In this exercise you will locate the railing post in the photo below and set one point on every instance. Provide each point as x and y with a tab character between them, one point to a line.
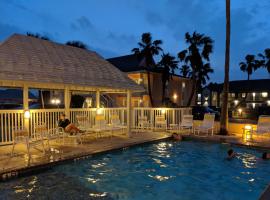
129	111
26	107
67	102
98	99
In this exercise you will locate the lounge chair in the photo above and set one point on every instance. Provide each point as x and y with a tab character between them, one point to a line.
160	122
116	123
207	125
23	137
187	123
101	126
263	126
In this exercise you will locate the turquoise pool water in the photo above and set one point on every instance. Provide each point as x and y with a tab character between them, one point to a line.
165	170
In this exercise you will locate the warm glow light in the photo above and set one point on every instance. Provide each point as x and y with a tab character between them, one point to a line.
183	85
175	96
163	111
247	132
27	114
268	102
240	111
253	94
236	102
253	105
55	101
264	94
248	127
140	100
99	111
140	80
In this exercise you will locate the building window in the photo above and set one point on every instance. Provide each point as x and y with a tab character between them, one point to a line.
243	95
232	95
183	85
264	94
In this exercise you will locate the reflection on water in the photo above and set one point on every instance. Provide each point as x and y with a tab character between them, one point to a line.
166	169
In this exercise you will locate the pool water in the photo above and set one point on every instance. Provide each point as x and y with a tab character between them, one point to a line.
185	170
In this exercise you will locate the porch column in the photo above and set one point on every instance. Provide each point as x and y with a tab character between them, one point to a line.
26	107
129	113
98	99
67	102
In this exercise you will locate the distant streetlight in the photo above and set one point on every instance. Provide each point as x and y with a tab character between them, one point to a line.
55	101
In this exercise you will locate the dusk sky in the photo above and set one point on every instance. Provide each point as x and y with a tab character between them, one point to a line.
113	27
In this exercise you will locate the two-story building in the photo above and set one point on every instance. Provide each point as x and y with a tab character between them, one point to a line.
177	91
245	93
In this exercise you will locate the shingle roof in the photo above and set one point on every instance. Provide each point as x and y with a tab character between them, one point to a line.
243	86
14	94
31	59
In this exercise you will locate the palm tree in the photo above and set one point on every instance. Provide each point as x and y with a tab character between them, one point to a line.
265	62
196	56
185	71
78	44
224	111
203	75
168	64
249	65
146	50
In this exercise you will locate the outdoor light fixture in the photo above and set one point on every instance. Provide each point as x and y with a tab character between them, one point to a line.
175	96
183	85
264	94
240	111
247	133
253	94
253	105
27	114
99	111
163	111
55	101
140	80
236	102
268	102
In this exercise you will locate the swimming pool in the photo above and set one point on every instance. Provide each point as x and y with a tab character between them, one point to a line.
165	170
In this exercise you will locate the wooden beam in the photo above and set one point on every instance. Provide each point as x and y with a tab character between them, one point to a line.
67	99
26	106
98	99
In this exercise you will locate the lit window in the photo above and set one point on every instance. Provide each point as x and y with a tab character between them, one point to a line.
253	94
243	95
264	94
183	85
233	95
236	102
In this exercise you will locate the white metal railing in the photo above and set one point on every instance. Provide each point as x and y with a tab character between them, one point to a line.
47	117
10	120
172	115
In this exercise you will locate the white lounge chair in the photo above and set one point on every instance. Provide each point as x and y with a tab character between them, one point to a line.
143	123
116	123
263	126
23	137
160	122
187	123
207	125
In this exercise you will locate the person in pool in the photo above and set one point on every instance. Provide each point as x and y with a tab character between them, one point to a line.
265	156
67	125
177	137
231	154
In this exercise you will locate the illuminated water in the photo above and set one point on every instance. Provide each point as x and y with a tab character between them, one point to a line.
166	170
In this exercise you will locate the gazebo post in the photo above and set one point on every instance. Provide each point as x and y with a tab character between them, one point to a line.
129	112
98	98
26	106
67	102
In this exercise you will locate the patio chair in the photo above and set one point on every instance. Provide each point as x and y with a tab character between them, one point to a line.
83	123
207	125
101	126
187	123
160	122
263	126
143	123
116	123
22	137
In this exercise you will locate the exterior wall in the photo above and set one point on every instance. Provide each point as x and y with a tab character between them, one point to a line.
178	90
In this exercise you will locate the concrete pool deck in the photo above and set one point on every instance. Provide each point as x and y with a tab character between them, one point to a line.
59	152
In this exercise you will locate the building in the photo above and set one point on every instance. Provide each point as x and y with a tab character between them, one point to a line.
243	93
177	92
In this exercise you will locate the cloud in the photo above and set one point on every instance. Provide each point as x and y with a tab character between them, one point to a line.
82	23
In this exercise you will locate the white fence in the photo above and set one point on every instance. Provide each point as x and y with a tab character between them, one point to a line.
11	120
172	115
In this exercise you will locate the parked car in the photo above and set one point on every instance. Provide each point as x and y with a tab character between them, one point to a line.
199	111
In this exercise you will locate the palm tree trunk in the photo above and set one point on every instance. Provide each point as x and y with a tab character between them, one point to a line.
193	89
149	88
224	111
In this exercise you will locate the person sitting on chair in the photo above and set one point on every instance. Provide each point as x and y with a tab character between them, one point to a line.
67	125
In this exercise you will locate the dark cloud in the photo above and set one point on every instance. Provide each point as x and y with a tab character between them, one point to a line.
82	23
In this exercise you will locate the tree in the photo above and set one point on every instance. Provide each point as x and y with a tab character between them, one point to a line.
146	50
168	64
265	62
224	110
37	35
78	44
185	71
249	65
196	56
